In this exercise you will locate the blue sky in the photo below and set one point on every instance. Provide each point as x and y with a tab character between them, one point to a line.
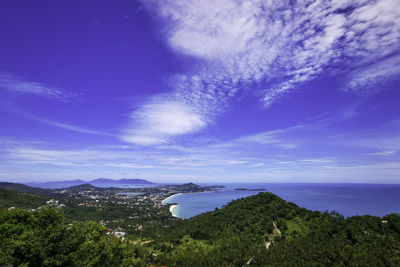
203	91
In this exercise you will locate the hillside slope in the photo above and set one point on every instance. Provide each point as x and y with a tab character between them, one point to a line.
264	230
24	188
10	198
260	230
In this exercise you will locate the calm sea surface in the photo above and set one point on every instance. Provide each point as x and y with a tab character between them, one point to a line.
347	199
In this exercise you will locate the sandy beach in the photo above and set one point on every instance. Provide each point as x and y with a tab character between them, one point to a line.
164	203
171	209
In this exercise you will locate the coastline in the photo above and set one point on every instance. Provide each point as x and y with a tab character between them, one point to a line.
171	209
163	201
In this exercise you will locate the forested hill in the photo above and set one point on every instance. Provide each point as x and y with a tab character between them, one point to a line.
261	230
24	188
264	230
10	198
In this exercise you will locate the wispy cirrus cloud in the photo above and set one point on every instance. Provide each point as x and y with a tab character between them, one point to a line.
279	138
70	127
322	160
93	162
383	153
20	86
256	40
370	155
38	154
373	77
275	47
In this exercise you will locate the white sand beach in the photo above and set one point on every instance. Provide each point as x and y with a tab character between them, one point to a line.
171	209
164	201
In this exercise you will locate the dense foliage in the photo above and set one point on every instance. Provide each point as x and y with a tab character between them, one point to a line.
10	198
239	234
24	188
41	238
261	230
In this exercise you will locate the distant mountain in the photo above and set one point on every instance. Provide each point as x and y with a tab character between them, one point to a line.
97	182
56	184
120	181
83	187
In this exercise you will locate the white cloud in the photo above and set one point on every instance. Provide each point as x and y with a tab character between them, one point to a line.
70	127
55	123
280	138
280	43
130	165
32	155
272	45
20	86
286	162
160	120
322	160
384	138
289	146
373	77
257	165
227	161
386	172
236	162
383	153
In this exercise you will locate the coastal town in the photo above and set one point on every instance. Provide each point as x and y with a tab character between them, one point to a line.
92	196
124	211
127	211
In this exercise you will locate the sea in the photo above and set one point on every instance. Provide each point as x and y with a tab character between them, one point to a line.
347	199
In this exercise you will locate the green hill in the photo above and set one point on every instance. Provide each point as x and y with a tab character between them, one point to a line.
24	188
260	230
264	230
10	198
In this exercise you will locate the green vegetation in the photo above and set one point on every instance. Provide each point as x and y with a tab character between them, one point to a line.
239	234
10	198
126	217
24	188
261	230
41	238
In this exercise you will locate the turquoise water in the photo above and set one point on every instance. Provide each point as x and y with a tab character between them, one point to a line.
347	199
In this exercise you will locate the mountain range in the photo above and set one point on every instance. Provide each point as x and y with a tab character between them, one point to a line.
97	182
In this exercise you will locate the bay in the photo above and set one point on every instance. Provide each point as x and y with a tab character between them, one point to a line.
347	199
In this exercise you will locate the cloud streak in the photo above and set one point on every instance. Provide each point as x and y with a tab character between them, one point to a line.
19	86
372	78
383	153
66	126
369	155
207	163
69	126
